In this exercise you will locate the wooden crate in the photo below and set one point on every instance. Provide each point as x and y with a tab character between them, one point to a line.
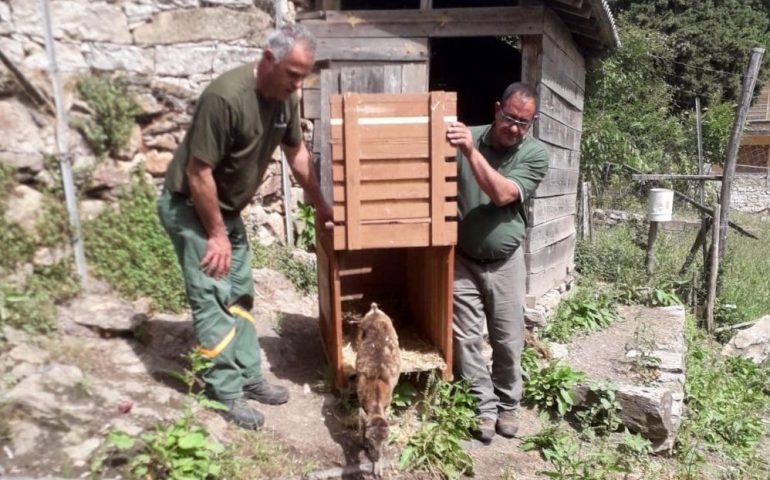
393	172
395	214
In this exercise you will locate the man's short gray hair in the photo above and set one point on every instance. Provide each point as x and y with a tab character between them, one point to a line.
283	39
522	89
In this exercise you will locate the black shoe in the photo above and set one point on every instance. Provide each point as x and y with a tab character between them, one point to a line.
242	414
507	424
485	431
265	393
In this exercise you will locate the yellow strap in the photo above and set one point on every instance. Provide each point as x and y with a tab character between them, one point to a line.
220	346
241	312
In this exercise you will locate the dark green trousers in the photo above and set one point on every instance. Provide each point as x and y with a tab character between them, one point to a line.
224	328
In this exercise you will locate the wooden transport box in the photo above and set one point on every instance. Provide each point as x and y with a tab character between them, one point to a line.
395	213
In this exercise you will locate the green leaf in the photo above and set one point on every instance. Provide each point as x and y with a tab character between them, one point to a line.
121	440
192	440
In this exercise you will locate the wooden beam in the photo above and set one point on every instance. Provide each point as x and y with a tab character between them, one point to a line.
449	22
645	177
583	11
755	140
383	49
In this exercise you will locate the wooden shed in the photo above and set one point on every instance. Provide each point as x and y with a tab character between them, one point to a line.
474	48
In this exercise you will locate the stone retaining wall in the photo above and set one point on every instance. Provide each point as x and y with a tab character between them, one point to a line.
750	192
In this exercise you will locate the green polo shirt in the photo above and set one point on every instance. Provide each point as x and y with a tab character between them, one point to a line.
235	130
486	231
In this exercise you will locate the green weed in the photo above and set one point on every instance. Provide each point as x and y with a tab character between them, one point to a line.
583	312
726	399
306	231
114	110
177	450
447	412
131	250
639	349
602	415
550	387
278	257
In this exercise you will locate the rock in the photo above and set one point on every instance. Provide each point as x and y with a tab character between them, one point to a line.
91	208
79	454
163	125
20	143
149	105
26	353
25	208
109	57
535	317
184	60
134	144
25	436
644	410
97	21
203	24
559	351
157	163
165	141
103	313
48	256
752	343
106	178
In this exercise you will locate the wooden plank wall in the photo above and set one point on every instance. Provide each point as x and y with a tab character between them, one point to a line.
550	247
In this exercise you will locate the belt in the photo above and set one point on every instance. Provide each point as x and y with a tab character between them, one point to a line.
228	214
483	261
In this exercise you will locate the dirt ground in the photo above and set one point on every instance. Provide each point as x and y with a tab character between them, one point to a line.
316	429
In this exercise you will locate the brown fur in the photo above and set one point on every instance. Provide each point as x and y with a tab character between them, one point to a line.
378	365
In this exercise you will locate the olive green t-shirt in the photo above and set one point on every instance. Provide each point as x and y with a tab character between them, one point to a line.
235	130
486	231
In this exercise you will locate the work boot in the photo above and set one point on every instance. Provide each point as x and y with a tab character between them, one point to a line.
485	430
263	392
240	413
507	424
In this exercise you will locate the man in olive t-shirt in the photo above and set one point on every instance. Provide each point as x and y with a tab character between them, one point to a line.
499	167
240	118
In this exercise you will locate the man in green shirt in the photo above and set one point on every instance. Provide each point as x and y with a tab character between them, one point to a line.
499	167
239	120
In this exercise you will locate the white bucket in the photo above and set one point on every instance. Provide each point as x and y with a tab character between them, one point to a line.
660	205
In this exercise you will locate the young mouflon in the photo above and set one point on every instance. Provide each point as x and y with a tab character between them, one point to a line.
378	365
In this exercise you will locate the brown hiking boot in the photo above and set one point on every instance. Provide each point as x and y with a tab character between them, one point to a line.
507	424
264	392
485	430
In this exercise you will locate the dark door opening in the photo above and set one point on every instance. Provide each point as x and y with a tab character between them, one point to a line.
478	69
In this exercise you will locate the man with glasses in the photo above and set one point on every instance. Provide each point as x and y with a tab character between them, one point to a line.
498	169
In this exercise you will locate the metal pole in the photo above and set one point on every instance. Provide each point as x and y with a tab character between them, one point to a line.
713	272
279	8
61	145
749	81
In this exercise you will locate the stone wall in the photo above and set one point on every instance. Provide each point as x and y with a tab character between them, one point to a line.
750	193
167	49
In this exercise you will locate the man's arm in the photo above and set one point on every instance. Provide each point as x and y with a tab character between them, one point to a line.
299	160
203	190
499	189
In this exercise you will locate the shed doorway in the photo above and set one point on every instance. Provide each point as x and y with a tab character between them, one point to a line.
478	69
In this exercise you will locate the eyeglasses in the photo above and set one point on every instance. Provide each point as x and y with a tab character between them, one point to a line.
510	120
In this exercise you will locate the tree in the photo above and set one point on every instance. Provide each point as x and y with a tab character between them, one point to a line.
710	40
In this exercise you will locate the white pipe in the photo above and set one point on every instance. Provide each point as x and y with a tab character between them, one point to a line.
61	145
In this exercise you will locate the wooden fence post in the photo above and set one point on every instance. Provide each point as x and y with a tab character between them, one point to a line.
713	271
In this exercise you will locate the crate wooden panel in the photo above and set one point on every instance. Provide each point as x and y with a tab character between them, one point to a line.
420	279
393	172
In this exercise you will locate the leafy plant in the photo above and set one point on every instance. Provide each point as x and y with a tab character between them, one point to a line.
640	351
306	233
131	250
114	110
726	400
585	312
177	450
404	395
602	416
301	273
448	413
551	387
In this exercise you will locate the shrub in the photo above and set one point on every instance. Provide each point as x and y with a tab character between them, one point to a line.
114	110
132	252
551	387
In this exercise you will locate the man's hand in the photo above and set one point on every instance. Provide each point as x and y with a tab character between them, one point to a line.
324	216
216	260
460	136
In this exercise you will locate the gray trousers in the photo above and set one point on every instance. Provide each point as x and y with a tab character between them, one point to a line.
492	293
